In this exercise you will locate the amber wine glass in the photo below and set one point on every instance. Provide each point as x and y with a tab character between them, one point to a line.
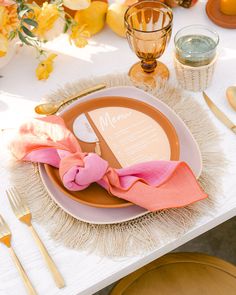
148	31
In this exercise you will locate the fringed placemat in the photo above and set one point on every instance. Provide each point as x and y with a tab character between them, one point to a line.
144	233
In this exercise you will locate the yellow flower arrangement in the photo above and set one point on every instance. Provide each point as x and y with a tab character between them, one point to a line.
3	45
79	35
8	19
8	23
46	17
33	24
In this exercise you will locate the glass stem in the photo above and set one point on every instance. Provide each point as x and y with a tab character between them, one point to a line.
148	66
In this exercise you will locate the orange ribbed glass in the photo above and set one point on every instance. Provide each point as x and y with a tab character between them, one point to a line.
148	31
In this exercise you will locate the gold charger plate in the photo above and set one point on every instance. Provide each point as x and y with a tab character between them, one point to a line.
180	274
95	195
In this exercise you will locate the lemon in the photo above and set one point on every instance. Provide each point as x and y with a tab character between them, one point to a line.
93	17
76	5
115	18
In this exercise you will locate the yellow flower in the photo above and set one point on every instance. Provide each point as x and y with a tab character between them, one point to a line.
45	16
79	35
8	19
45	67
3	45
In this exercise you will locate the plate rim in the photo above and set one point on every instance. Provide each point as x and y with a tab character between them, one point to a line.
41	166
126	98
153	98
216	20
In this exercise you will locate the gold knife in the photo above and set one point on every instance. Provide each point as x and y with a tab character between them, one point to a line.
219	114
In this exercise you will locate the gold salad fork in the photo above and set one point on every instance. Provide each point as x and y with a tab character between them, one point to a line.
5	238
23	213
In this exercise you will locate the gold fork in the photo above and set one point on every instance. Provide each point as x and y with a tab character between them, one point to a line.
5	238
23	213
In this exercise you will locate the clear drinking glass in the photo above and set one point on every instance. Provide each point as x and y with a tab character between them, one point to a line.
196	45
149	27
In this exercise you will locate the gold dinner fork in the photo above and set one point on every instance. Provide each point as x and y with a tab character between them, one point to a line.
23	213
5	238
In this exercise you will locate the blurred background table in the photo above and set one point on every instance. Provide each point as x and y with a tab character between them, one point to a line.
106	53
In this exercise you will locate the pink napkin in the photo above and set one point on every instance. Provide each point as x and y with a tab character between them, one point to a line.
152	185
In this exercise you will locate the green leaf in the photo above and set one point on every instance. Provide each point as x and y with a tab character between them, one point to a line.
12	35
23	39
23	11
28	32
66	27
20	7
30	22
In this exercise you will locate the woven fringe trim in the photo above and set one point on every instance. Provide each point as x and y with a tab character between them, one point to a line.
144	233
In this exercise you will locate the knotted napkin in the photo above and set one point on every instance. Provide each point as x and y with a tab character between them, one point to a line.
152	185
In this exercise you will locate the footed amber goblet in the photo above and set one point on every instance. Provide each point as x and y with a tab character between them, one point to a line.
148	31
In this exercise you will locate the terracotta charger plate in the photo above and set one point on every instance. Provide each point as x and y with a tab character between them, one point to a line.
95	195
219	18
